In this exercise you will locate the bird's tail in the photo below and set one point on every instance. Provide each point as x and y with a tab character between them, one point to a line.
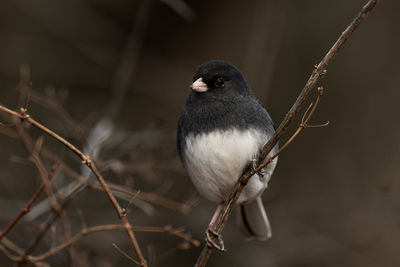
253	220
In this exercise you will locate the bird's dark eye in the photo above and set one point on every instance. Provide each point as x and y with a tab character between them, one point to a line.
219	82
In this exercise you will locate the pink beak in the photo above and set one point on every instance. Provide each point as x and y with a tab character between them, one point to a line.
199	86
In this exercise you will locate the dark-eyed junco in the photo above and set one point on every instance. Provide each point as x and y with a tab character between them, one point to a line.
221	130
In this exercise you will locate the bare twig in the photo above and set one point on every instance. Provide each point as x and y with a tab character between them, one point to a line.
318	71
87	161
303	124
179	232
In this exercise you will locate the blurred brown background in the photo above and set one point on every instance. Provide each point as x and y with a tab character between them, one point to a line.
334	198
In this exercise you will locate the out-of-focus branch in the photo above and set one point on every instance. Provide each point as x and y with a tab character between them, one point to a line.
169	253
129	57
123	191
27	207
53	105
318	71
178	232
126	255
23	115
122	79
182	9
46	227
34	150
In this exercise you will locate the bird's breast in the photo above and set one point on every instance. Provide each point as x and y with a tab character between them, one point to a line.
215	160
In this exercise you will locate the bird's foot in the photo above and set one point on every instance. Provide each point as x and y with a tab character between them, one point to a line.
214	240
254	164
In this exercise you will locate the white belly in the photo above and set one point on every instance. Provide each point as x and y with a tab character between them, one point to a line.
215	161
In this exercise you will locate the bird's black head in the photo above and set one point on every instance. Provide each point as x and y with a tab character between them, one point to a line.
219	78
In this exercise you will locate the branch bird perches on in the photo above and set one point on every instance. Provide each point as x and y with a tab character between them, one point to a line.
317	73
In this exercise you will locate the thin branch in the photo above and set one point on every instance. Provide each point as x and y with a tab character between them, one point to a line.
23	115
178	232
12	246
17	250
303	124
8	254
74	239
317	73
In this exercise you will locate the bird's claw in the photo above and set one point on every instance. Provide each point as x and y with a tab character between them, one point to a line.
254	164
214	240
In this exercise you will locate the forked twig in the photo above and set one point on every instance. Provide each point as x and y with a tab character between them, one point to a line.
303	125
318	71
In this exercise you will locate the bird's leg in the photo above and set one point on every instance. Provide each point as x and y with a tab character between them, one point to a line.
213	239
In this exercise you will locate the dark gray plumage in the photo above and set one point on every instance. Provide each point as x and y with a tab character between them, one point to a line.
221	130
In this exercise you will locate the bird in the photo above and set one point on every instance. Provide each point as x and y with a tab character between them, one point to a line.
221	130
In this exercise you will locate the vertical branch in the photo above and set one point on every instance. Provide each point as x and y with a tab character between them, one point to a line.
319	71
